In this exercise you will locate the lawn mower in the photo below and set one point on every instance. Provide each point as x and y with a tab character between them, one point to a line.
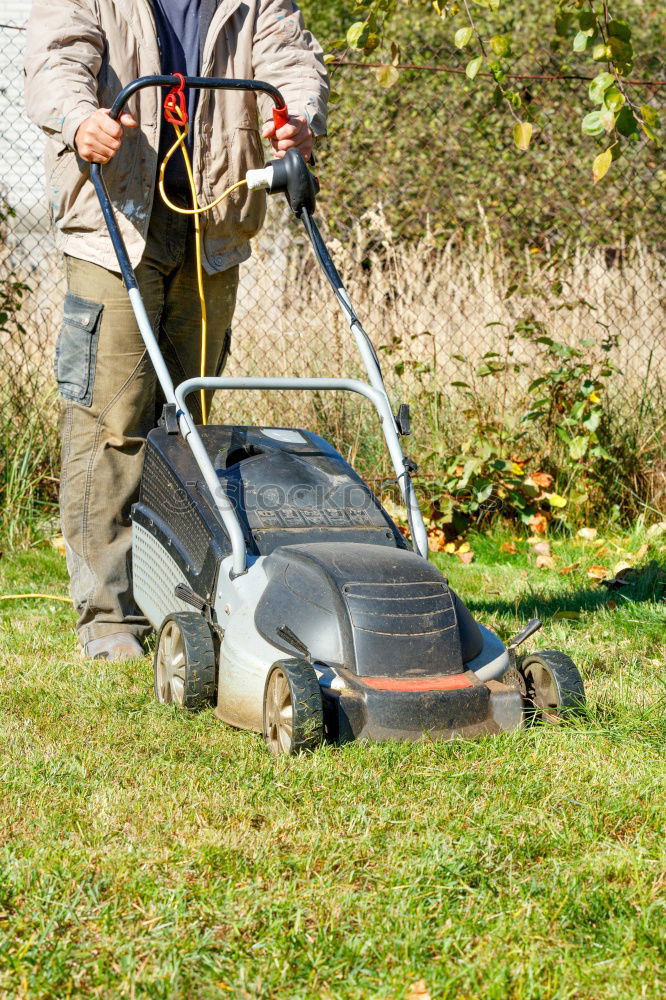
281	591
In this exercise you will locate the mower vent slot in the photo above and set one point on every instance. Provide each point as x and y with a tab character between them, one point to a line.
163	493
156	576
400	608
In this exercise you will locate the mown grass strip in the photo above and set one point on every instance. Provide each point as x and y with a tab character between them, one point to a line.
149	854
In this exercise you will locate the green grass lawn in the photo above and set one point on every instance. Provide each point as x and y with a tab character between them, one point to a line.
149	854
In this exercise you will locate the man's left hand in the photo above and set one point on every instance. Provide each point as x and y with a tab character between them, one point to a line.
295	134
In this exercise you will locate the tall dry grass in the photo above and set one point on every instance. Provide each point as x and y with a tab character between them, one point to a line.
433	302
432	311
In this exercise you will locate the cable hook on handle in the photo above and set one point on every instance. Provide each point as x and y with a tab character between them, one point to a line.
175	107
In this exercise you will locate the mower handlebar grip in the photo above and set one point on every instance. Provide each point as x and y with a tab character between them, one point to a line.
198	83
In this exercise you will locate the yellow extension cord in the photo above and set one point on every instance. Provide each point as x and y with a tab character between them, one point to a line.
181	133
196	211
48	597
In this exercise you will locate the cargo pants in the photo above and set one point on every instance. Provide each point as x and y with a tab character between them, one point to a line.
111	400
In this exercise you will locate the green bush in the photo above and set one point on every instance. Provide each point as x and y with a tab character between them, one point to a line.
437	150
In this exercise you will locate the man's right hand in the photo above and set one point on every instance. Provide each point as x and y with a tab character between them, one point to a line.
98	138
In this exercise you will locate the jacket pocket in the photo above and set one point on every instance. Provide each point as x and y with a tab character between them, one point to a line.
248	208
76	349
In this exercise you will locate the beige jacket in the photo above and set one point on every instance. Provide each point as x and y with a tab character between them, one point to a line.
80	53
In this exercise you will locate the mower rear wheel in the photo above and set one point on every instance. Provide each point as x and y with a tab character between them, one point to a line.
185	662
551	685
293	709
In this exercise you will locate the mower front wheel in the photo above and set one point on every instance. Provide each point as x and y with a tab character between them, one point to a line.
185	662
551	686
293	708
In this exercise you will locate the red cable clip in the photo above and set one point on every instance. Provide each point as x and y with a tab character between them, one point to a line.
175	108
280	117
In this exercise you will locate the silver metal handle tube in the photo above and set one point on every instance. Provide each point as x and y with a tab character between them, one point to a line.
153	348
371	364
377	398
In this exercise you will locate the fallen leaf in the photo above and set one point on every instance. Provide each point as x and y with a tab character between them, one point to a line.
465	557
555	500
566	570
620	567
545	562
533	540
509	547
542	549
539	523
523	574
417	991
598	542
58	543
612	605
542	479
450	547
492	592
589	534
603	551
572	616
436	540
656	530
642	552
598	573
465	547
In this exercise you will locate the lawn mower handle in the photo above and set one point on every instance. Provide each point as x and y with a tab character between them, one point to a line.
97	178
403	467
197	83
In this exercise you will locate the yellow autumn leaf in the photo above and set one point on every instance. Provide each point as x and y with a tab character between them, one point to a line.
522	134
594	397
555	500
387	76
601	165
516	469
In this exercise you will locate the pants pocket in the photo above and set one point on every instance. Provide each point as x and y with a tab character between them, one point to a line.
76	349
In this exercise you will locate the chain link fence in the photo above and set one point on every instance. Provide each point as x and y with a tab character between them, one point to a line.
449	237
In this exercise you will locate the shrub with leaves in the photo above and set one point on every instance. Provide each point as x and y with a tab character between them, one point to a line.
495	471
485	29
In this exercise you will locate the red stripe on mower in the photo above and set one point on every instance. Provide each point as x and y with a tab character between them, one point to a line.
453	682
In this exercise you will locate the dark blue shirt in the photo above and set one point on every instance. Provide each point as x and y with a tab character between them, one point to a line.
178	26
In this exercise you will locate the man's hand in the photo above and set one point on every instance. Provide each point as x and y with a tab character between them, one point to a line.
295	134
98	138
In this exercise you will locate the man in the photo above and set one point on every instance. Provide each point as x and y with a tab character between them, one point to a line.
80	53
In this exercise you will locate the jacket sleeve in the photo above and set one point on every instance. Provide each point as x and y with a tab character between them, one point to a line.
288	56
64	47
